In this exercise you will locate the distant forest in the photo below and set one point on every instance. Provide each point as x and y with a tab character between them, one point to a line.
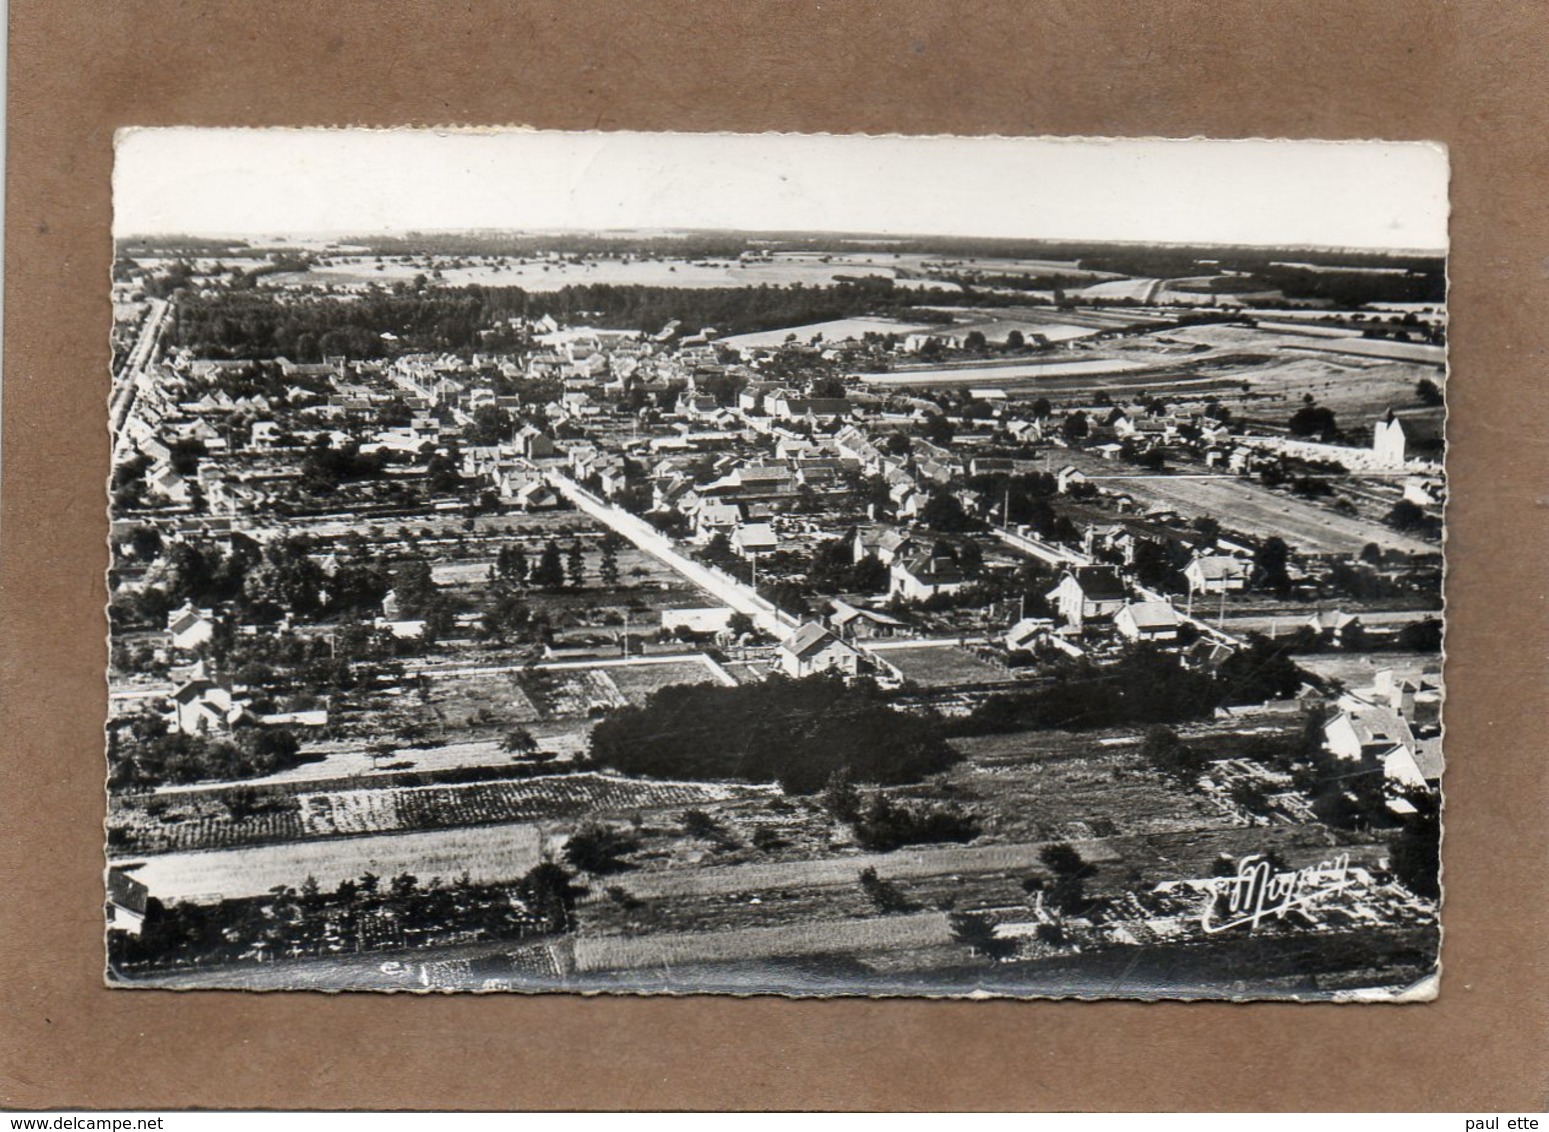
1153	260
261	325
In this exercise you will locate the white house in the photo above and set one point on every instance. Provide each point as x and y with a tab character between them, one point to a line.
1388	442
754	538
1218	574
127	901
1027	633
201	706
812	649
921	576
190	627
1089	593
1067	477
714	518
1147	621
883	543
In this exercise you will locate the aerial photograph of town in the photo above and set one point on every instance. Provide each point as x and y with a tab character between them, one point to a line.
598	600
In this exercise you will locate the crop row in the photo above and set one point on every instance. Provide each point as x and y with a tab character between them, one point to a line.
407	808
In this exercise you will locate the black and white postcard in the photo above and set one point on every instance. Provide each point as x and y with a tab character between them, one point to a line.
776	564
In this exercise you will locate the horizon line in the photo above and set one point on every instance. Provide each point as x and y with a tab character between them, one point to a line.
418	230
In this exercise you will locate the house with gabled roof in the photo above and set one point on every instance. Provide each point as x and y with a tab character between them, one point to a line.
883	543
128	900
856	622
754	538
1218	574
813	649
200	706
921	576
1089	593
1147	621
1334	625
190	627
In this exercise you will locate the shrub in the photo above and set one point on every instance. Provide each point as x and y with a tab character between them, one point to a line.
885	895
598	849
883	824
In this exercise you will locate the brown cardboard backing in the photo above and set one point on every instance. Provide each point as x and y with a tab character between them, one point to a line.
1471	74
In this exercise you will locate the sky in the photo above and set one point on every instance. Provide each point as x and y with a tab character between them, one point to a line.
273	182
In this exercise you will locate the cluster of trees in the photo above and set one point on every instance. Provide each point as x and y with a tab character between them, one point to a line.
832	569
884	895
1415	849
143	752
882	823
1411	518
599	848
794	732
1027	500
1314	421
325	468
554	567
1065	888
244	323
260	584
366	913
1167	753
1145	687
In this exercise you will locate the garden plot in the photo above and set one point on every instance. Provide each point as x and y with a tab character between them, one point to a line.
941	667
1050	785
636	682
557	797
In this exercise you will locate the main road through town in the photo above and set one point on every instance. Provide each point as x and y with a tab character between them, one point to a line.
741	597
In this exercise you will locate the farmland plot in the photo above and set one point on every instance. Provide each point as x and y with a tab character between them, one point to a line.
937	667
636	682
1244	505
613	953
386	809
995	374
560	796
489	854
919	861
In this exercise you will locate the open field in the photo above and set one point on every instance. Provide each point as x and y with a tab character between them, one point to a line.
552	275
665	950
914	861
328	761
1040	786
1143	290
1057	324
834	331
938	667
1245	505
997	373
488	854
1359	670
1381	348
1263	374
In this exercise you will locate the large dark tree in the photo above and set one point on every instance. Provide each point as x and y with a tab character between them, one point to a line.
550	571
795	732
1416	847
